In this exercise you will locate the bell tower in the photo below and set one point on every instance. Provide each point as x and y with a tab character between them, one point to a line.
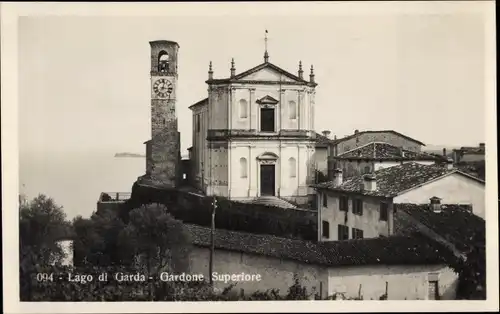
163	150
163	84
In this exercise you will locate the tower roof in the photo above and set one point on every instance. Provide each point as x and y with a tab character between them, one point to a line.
163	42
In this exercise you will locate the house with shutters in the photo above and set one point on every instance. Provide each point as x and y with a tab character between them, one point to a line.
363	206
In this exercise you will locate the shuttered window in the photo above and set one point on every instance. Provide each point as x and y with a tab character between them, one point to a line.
384	211
325	229
357	206
357	233
343	232
343	203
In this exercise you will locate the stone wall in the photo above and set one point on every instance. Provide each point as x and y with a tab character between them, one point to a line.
165	158
385	137
403	282
275	273
409	282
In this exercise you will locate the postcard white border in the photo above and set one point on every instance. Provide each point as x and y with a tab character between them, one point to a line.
11	11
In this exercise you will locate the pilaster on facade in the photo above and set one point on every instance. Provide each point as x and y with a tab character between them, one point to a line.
251	106
300	105
282	113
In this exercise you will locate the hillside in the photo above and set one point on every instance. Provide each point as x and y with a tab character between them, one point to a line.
120	155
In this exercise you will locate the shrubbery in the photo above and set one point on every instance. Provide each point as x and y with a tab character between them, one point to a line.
230	215
149	242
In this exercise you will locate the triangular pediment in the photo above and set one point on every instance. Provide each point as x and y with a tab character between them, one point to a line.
267	100
270	73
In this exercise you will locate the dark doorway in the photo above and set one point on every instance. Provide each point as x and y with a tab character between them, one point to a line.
267	184
267	120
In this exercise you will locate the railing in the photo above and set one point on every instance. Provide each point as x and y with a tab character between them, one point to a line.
113	197
214	133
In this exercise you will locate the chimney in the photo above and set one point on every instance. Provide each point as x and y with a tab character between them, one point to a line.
435	204
481	145
449	163
326	133
356	131
444	152
335	137
401	152
337	179
369	182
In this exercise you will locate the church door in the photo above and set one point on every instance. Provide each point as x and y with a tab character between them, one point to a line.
267	183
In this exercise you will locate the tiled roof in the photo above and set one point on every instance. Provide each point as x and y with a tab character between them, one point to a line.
201	102
322	140
391	181
386	151
471	150
473	168
385	250
455	223
379	131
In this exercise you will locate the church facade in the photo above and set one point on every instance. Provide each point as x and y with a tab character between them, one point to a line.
252	135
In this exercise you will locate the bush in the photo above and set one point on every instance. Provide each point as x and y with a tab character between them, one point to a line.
230	215
151	241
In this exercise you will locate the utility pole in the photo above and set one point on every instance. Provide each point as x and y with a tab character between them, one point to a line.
212	240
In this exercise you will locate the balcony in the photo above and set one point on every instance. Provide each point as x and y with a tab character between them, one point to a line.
252	133
114	197
112	200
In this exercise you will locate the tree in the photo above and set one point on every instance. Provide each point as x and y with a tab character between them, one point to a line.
41	223
159	240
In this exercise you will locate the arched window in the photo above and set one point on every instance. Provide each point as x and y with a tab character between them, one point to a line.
163	60
293	167
292	109
243	167
243	108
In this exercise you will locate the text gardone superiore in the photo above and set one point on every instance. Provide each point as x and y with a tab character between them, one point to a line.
223	277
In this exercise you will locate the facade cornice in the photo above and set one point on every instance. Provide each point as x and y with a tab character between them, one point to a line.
232	81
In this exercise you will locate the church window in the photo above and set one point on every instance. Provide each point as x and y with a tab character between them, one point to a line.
243	108
267	119
292	109
163	60
293	167
197	123
243	167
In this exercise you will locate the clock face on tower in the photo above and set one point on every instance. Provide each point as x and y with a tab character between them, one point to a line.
163	88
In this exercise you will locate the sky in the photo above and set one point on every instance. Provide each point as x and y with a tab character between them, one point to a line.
84	81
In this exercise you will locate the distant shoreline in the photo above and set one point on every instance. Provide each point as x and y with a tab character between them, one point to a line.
121	155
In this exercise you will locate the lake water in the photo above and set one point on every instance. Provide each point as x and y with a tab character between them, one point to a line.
75	180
